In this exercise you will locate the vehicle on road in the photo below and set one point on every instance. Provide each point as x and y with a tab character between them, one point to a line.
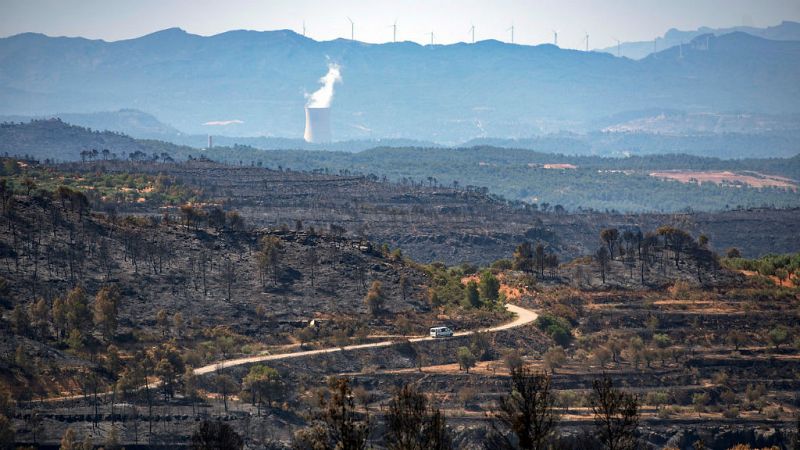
441	332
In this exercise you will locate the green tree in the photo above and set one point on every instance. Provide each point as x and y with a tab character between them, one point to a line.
105	310
700	400
778	336
76	340
662	341
78	315
489	287
263	385
472	296
169	365
466	360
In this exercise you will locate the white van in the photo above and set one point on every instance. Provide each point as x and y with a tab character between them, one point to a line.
441	332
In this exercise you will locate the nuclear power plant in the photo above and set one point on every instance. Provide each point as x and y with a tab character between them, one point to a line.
318	125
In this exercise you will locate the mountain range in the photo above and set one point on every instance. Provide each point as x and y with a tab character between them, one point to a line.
441	93
785	31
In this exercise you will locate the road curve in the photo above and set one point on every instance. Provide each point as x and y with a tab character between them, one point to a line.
524	316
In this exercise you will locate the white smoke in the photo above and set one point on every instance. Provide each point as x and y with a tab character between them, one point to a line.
322	97
222	123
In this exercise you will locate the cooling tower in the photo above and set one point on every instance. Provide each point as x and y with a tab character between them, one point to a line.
318	125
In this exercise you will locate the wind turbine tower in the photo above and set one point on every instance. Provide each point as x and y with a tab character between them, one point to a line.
472	30
555	38
394	31
431	33
512	32
304	28
619	46
352	29
587	42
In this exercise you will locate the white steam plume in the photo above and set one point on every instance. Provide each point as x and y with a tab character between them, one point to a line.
321	98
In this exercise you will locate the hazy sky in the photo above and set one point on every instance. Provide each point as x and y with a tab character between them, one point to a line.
450	21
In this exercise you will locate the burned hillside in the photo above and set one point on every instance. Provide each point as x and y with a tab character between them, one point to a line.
435	223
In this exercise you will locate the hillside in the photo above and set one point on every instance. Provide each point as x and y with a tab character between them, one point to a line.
428	221
441	93
590	182
131	122
202	285
52	139
97	304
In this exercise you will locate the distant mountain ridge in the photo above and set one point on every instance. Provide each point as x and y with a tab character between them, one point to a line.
441	93
785	31
129	121
638	134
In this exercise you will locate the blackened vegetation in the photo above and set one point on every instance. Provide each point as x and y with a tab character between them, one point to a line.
414	424
83	282
337	425
216	435
527	417
616	416
435	222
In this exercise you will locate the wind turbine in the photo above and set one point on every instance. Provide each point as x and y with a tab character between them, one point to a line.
352	29
619	46
394	31
587	41
555	38
304	28
512	32
472	30
431	33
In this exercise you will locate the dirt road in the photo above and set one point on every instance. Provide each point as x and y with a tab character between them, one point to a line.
524	316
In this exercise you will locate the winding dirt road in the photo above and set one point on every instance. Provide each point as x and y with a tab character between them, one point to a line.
524	316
